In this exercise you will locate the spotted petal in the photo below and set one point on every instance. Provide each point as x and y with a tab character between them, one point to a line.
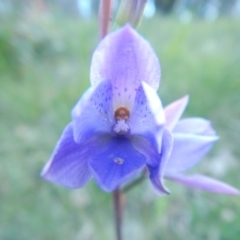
147	118
68	165
204	183
126	59
115	163
93	113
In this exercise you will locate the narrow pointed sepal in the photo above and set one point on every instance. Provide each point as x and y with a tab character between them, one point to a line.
157	172
195	125
174	111
204	183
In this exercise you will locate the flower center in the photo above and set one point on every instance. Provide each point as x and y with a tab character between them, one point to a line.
121	115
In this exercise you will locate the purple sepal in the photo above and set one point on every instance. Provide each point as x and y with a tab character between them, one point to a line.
188	150
157	172
127	60
204	183
68	165
195	125
174	111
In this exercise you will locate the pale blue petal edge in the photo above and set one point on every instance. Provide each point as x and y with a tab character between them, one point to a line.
204	183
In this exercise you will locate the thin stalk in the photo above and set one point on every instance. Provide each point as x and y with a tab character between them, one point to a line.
105	13
118	205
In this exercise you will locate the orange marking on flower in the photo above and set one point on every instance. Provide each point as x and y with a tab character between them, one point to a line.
122	113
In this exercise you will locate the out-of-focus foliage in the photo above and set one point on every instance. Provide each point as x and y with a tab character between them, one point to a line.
23	41
200	8
44	68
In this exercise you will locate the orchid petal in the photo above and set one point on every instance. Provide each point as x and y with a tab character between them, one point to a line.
198	126
93	113
147	146
126	59
154	104
115	163
157	173
204	183
174	111
68	165
188	150
147	117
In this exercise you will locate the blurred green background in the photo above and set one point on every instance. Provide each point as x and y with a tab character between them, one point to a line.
44	69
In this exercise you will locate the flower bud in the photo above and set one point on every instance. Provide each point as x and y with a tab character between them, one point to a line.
130	11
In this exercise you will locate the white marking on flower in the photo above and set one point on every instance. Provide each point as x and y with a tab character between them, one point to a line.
119	161
121	127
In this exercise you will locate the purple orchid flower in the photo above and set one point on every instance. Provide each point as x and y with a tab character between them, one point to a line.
193	138
117	126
